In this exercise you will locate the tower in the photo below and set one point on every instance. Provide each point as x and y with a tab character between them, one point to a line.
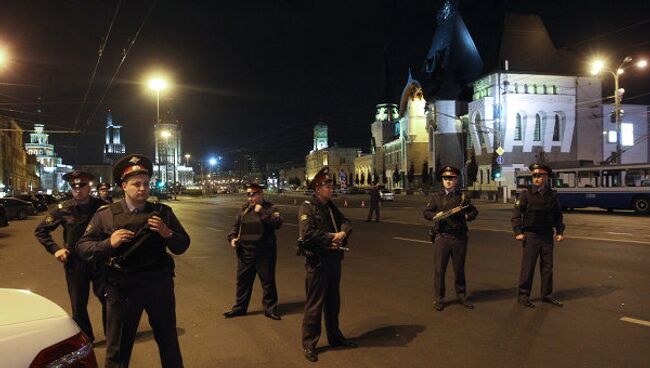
113	147
320	136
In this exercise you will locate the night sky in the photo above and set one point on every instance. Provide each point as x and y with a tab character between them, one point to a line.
256	74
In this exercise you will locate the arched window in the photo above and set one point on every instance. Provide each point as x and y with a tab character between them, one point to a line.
554	87
556	129
516	87
534	88
525	88
479	129
518	127
545	89
537	135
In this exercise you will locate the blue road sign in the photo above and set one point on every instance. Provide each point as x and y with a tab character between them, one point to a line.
500	160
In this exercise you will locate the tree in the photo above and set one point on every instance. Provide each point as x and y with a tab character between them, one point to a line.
410	175
384	178
356	178
472	168
363	179
374	177
425	173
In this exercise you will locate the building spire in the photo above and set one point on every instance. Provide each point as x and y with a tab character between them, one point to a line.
388	93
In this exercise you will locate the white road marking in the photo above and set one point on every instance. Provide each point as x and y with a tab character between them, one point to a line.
637	321
412	240
615	233
289	224
213	229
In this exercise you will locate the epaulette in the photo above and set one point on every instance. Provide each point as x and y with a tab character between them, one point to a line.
68	203
103	207
307	202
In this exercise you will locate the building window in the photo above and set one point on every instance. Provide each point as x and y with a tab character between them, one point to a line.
470	144
518	127
537	135
479	129
556	129
544	89
481	176
534	88
554	88
525	88
611	136
627	134
516	87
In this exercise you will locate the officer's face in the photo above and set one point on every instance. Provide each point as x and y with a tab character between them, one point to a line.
81	194
103	193
449	182
137	187
325	190
255	197
540	179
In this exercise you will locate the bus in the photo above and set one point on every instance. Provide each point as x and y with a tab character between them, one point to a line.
611	187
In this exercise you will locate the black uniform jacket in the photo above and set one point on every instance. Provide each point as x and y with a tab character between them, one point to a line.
96	241
537	211
258	229
456	224
315	223
74	218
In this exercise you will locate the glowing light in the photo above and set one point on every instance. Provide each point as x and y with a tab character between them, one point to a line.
597	66
641	63
157	84
165	134
213	161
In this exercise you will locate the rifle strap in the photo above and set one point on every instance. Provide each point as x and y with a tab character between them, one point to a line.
336	228
242	220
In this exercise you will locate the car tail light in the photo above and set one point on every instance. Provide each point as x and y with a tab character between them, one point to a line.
74	352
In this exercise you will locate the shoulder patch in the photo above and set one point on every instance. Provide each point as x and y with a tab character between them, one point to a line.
307	202
304	217
103	207
276	214
88	228
60	205
49	219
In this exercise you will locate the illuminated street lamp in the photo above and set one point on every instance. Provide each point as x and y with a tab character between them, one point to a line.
187	159
598	66
3	57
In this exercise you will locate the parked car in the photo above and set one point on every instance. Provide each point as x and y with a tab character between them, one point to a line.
40	206
387	195
4	218
18	209
36	332
46	198
356	190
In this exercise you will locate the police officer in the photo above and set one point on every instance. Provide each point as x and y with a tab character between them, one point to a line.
104	195
449	236
323	230
533	219
375	199
133	236
253	237
74	216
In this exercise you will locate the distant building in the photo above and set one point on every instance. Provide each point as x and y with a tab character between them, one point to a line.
114	149
247	166
168	156
340	160
51	167
18	169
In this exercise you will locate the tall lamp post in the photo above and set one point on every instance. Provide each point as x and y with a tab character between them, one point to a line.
158	84
599	66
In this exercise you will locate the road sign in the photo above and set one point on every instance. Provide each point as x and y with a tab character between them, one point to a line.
500	151
500	160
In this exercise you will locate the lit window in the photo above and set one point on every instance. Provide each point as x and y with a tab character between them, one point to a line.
627	134
611	136
518	127
537	135
556	129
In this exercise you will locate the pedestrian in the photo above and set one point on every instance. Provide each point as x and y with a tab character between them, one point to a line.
535	216
323	232
375	203
449	235
103	190
133	236
74	215
253	238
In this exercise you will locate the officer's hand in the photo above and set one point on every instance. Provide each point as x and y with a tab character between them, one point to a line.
338	237
156	224
121	236
233	243
258	208
559	238
62	255
520	237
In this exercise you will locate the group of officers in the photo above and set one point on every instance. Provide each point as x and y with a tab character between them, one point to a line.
121	248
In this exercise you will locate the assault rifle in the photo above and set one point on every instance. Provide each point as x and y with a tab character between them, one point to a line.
444	214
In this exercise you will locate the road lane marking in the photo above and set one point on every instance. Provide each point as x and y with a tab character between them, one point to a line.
213	229
637	321
289	224
615	233
412	240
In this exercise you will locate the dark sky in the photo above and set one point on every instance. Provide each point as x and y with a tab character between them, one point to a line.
253	74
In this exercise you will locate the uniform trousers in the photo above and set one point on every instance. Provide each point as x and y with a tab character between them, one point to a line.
127	296
374	207
262	265
78	276
447	246
538	244
322	286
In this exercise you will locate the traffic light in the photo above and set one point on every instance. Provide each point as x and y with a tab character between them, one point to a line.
496	167
160	184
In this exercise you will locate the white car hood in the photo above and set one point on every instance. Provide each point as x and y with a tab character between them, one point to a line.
28	324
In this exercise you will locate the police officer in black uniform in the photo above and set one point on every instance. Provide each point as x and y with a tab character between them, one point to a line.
449	235
74	216
374	202
533	219
253	237
103	192
323	232
133	236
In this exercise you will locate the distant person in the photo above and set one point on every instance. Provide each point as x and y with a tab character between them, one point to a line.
104	194
535	216
449	236
374	203
74	215
253	238
323	231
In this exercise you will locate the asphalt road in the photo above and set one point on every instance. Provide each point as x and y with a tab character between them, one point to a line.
601	274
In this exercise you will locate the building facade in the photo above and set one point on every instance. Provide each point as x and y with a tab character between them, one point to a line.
634	133
168	156
51	167
114	149
18	169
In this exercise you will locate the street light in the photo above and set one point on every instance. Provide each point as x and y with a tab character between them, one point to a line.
598	66
158	84
3	57
187	159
